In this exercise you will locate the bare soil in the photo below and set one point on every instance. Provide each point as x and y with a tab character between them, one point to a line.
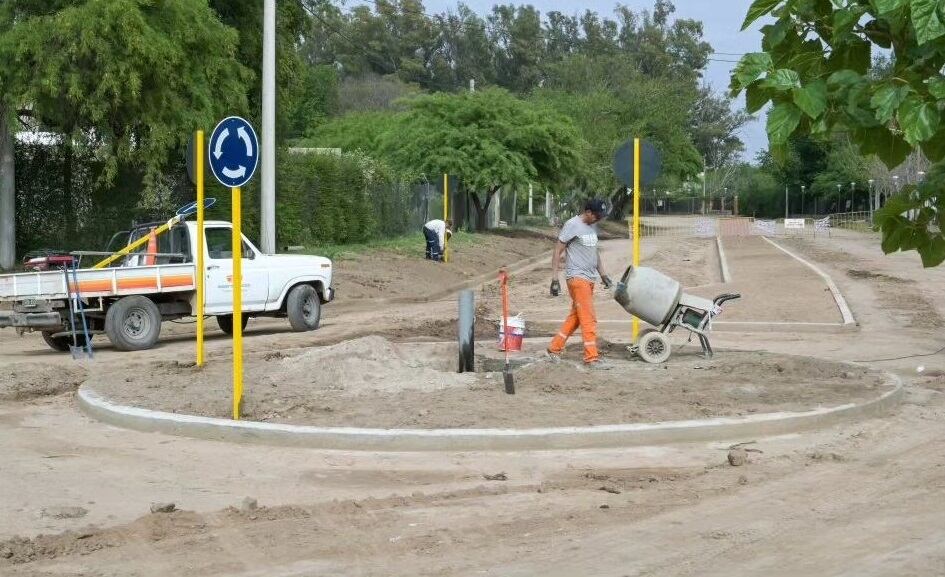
387	274
860	498
373	382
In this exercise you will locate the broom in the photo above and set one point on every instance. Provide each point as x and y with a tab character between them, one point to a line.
507	372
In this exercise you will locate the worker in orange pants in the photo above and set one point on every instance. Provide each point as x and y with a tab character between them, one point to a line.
578	242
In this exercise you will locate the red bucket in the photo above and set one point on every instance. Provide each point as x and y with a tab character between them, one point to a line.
516	336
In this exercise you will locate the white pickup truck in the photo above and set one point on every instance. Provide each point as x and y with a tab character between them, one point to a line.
129	302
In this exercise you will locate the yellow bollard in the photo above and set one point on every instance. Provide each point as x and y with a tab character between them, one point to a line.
237	248
636	221
446	212
199	273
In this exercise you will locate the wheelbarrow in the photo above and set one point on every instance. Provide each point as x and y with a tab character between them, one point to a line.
659	300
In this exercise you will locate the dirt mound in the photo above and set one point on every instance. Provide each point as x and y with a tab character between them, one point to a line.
25	381
366	365
150	528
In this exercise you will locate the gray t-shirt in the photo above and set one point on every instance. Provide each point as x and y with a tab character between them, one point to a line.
581	252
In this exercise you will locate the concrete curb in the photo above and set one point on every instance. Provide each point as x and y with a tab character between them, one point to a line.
845	311
726	275
602	436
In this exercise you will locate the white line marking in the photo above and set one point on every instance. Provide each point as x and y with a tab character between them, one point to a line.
726	276
845	311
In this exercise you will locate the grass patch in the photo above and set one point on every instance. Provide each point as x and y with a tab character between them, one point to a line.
411	244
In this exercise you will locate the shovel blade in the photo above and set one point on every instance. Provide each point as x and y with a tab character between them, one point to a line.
509	380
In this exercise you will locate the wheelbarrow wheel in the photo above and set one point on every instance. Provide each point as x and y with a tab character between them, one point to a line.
654	347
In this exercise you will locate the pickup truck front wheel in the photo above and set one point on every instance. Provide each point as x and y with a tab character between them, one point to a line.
133	323
226	323
304	308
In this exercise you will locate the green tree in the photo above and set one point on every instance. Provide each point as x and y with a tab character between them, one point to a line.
489	139
130	79
362	131
594	93
815	70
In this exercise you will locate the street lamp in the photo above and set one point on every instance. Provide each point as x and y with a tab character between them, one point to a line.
896	182
803	188
852	185
872	201
839	194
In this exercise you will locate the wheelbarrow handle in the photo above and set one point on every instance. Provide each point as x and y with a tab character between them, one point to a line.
626	274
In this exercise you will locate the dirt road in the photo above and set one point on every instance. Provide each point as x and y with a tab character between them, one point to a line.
858	499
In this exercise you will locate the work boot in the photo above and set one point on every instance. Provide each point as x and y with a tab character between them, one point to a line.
598	366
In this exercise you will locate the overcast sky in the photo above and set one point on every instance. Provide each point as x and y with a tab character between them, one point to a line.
722	20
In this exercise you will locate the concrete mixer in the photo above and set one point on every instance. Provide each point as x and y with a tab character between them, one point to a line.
659	300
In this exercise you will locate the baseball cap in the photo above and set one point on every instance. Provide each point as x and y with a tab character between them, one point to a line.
597	206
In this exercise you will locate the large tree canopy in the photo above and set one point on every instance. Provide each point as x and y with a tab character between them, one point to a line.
490	139
131	77
815	71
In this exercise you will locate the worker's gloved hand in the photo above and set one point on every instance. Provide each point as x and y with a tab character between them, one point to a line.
555	288
605	280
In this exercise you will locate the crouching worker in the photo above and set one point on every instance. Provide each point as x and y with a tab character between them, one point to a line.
437	232
578	241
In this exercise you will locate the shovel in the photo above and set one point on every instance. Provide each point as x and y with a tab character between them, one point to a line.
507	375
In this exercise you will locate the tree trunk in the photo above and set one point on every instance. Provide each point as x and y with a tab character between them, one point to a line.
619	200
68	206
7	196
482	208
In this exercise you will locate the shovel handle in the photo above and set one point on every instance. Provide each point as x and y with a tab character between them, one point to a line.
504	285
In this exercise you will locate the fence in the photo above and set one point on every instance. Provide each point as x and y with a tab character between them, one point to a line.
710	226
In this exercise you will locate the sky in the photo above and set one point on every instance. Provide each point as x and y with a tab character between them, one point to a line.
722	20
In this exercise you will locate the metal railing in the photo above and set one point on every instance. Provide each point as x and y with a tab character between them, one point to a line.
709	226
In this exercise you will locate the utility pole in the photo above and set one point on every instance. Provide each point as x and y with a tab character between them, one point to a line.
267	227
705	179
7	195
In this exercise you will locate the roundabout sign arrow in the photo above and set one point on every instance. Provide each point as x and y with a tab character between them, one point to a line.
234	151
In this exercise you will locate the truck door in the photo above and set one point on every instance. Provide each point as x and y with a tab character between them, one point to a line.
219	274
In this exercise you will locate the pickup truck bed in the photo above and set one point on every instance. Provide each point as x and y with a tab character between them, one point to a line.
93	283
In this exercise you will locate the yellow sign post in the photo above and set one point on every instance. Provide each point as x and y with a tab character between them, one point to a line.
446	212
636	221
237	248
200	273
233	162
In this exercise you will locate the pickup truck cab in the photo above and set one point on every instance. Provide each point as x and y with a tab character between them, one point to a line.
129	302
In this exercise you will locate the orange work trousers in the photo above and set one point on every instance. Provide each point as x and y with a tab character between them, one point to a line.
582	315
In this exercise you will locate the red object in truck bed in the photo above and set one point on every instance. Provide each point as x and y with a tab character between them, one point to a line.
41	263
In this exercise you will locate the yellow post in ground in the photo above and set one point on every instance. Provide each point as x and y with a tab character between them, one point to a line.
636	221
446	213
200	273
237	248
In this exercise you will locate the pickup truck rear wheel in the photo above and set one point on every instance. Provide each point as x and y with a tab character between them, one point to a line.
133	323
304	308
62	344
226	323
